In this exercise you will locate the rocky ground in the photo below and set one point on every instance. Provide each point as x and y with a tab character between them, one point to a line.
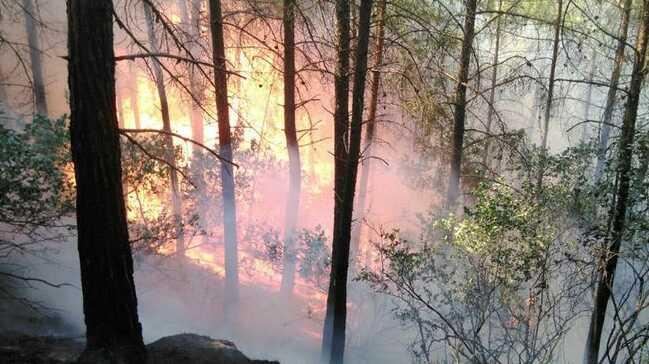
183	348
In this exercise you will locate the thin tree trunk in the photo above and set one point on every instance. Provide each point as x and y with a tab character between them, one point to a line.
113	331
585	130
133	95
369	131
486	158
341	129
538	287
5	112
607	117
459	114
6	118
4	105
343	240
191	21
625	154
38	83
176	202
225	149
550	95
293	202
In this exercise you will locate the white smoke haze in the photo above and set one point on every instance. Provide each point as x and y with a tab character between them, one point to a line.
407	184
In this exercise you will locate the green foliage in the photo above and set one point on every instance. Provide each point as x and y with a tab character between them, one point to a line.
475	279
314	257
142	172
35	174
311	253
509	231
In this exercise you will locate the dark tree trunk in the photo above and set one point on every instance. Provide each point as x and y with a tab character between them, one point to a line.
625	154
342	241
341	129
550	96
486	157
38	83
607	117
109	300
170	157
295	174
459	114
369	131
225	149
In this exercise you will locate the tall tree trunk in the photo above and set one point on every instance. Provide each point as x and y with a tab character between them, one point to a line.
109	301
4	100
196	88
625	154
535	297
341	129
295	174
459	114
191	22
133	95
486	157
342	241
176	202
607	117
550	96
369	131
585	130
225	149
38	83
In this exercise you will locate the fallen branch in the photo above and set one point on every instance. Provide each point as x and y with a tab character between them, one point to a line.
30	279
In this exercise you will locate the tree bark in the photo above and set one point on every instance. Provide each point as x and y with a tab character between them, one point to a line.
225	149
109	300
38	83
369	131
342	242
585	130
341	129
486	158
605	126
459	114
625	154
295	174
550	96
176	202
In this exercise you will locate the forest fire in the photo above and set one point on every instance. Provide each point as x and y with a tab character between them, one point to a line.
257	111
334	182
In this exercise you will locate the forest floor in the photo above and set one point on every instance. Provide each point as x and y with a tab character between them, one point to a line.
172	300
183	348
